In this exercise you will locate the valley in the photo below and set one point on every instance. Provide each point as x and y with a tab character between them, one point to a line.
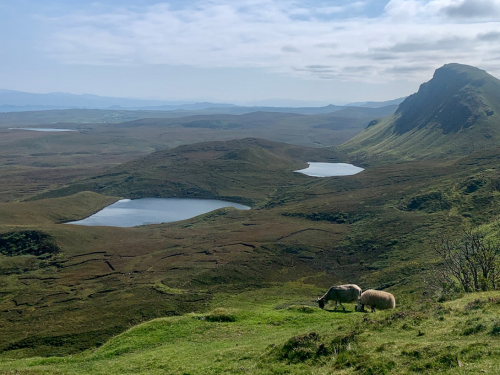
238	284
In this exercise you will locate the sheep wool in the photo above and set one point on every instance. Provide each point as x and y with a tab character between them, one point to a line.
376	299
339	294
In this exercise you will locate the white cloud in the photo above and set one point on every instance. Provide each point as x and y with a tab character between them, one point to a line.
409	40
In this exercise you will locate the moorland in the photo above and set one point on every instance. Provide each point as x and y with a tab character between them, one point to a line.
240	286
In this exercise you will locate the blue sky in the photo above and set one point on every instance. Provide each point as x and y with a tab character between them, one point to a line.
223	50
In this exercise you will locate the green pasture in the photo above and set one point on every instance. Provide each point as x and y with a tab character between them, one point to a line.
280	330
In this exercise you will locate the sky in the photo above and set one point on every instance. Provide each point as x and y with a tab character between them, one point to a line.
237	51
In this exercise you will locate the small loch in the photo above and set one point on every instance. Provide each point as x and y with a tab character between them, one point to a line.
330	169
130	213
45	129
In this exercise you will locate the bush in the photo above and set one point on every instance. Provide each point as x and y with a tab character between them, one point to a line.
470	264
221	315
311	346
27	242
303	347
496	328
477	304
473	330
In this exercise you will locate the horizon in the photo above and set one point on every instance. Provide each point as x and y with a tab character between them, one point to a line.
267	102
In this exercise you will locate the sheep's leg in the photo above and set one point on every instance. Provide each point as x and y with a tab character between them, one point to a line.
343	308
373	309
335	306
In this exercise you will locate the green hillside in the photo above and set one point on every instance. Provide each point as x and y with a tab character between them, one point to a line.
454	114
375	228
247	171
280	331
240	286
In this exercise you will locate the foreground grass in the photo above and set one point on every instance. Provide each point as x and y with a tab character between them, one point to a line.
280	330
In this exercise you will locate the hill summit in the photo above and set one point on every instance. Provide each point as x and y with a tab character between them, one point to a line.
455	113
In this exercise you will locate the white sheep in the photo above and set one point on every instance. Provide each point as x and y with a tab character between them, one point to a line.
376	299
339	294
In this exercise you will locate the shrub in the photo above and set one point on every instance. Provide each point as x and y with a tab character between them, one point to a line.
496	328
470	264
301	348
27	242
311	346
477	304
473	330
221	315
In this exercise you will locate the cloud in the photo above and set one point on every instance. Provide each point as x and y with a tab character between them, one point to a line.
456	43
409	39
290	49
407	69
451	9
492	36
473	9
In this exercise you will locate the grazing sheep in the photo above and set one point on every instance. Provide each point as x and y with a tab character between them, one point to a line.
339	294
376	299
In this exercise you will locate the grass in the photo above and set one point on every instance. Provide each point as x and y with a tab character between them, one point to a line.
280	330
374	229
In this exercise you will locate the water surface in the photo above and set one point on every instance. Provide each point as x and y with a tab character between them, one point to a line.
130	213
330	169
45	129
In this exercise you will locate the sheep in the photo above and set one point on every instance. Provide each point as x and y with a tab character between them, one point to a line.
376	299
339	294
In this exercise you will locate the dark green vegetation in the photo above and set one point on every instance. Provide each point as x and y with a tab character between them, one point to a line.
454	114
27	243
245	277
468	264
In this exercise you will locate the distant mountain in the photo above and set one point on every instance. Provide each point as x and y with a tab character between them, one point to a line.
15	101
18	101
456	113
367	112
377	104
183	107
283	103
28	108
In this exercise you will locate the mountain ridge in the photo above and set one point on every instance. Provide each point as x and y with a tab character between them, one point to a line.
453	114
19	101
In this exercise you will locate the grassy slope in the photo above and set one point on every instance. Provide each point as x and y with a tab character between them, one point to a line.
373	228
269	332
246	171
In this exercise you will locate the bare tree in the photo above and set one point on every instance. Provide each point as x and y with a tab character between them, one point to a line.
470	264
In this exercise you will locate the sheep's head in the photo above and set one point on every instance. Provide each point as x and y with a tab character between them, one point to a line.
321	302
359	307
